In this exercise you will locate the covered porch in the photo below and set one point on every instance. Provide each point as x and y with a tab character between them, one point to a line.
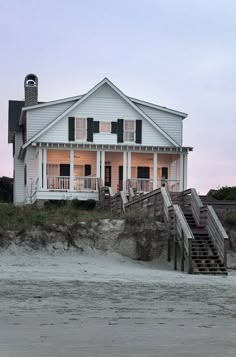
67	173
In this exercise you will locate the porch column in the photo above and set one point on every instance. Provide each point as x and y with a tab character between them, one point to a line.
72	169
98	169
181	172
40	160
129	166
185	171
154	170
103	166
44	169
124	170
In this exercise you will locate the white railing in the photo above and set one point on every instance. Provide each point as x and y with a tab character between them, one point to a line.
58	183
85	183
169	184
141	185
146	185
80	183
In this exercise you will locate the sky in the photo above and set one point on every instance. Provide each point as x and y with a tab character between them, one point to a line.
176	53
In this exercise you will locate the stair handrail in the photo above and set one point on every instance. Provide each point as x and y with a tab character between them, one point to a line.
142	198
183	234
195	203
217	233
167	204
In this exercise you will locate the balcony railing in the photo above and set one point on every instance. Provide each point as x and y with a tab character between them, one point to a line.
80	183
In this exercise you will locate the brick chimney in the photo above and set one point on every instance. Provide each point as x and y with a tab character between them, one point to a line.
31	90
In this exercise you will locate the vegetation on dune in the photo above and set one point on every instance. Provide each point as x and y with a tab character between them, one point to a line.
17	218
224	193
227	218
6	189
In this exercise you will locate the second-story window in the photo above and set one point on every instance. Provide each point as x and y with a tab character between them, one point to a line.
80	129
129	130
105	127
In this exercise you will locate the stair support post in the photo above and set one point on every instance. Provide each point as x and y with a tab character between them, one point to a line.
182	252
169	246
225	252
190	263
175	253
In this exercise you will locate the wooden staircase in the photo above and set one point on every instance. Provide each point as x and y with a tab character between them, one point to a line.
205	258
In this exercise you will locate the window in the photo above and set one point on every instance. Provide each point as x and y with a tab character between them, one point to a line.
129	130
105	127
80	129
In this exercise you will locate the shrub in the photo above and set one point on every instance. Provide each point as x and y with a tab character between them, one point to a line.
87	205
55	203
225	193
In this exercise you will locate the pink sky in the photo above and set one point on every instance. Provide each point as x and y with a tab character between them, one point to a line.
177	54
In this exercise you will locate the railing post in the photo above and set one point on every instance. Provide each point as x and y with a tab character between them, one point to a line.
190	264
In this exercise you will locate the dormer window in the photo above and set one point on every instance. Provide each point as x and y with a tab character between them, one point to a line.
81	129
129	130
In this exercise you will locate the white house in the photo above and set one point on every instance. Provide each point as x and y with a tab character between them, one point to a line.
61	147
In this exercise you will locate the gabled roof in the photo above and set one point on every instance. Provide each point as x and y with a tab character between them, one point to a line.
88	94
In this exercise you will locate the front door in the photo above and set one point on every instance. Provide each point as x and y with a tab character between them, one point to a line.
108	176
143	174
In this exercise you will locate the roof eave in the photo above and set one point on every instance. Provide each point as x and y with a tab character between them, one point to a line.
159	107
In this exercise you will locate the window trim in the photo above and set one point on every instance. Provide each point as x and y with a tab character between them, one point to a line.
125	131
86	128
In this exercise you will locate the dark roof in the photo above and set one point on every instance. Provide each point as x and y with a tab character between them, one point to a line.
14	112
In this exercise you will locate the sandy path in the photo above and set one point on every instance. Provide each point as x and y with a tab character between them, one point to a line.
111	306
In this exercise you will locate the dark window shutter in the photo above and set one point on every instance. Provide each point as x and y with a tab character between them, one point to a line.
71	129
138	139
120	129
87	170
114	127
90	129
96	126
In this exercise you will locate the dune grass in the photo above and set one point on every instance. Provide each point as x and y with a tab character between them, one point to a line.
17	218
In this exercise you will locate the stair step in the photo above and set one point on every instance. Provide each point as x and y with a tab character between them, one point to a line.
211	273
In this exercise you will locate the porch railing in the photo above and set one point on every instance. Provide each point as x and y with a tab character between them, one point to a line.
58	183
141	185
146	185
85	183
80	183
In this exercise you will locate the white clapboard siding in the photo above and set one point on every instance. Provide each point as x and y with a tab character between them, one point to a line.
105	105
19	187
39	118
170	123
31	161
